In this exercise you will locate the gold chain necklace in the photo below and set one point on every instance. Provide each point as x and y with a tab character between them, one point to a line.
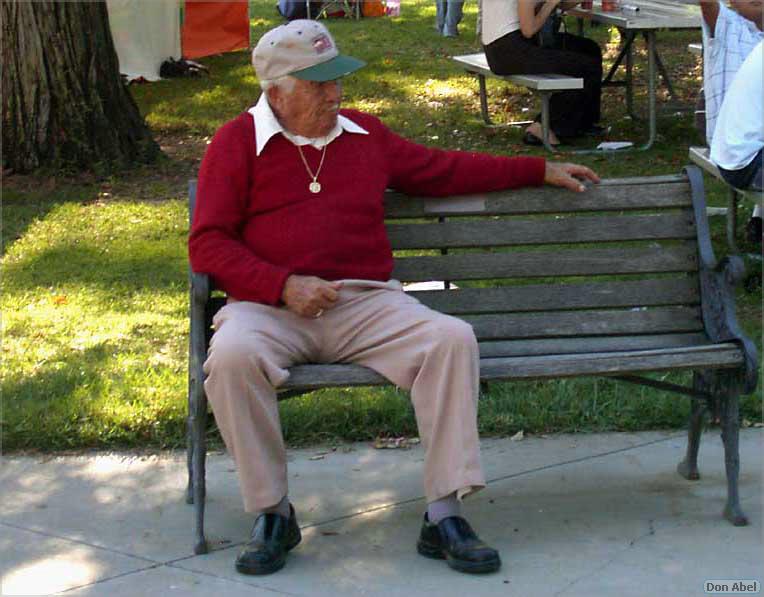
314	186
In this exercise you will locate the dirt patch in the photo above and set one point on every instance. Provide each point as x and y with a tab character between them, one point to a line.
166	179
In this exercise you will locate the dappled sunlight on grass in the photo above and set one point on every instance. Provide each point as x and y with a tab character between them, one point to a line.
373	106
94	296
443	90
94	310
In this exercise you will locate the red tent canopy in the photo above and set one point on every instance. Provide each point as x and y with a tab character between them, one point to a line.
214	27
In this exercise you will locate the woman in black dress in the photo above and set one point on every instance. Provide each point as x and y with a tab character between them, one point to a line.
510	35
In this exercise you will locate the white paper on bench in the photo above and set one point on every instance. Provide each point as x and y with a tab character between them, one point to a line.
431	285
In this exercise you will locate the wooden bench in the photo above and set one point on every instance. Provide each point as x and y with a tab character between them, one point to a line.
616	282
700	156
546	85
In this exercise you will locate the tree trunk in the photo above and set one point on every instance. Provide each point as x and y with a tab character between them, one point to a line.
64	103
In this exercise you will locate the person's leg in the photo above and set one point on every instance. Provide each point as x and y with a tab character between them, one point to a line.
441	6
513	54
435	356
750	176
591	73
249	353
454	14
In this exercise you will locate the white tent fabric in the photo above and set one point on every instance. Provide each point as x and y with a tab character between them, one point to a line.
146	33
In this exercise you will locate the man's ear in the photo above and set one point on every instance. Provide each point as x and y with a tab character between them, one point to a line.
274	96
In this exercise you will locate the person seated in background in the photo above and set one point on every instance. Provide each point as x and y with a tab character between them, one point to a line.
510	36
729	35
448	15
739	134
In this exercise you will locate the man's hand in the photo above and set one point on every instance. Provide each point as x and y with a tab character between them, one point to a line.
568	176
309	296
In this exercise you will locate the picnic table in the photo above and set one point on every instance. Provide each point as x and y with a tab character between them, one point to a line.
642	18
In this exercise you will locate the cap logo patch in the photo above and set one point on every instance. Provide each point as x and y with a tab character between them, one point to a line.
321	44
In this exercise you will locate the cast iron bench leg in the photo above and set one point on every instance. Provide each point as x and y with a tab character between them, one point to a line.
200	455
730	432
688	468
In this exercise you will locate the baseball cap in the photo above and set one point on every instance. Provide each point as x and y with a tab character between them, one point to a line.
304	49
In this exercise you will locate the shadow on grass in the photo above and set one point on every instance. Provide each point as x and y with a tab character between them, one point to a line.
19	213
50	400
76	398
164	268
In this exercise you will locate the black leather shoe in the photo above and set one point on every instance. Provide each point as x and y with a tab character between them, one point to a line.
271	538
454	540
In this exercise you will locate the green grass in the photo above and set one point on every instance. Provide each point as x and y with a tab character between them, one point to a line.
94	288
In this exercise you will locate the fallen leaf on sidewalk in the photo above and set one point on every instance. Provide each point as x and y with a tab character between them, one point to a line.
520	435
329	533
395	443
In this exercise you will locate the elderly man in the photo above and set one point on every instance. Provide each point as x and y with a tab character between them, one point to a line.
289	222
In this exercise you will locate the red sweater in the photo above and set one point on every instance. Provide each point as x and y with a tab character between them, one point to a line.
256	222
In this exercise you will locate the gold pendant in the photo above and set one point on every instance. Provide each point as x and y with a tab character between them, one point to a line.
315	187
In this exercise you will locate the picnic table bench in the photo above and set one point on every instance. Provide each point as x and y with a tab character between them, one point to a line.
617	282
546	85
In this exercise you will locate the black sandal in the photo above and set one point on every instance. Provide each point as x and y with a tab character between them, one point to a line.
534	141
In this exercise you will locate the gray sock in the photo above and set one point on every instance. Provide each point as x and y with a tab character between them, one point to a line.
281	507
443	508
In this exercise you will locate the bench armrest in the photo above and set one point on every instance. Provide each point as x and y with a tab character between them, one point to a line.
197	341
200	288
717	287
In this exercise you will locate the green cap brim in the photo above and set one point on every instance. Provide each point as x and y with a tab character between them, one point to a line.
337	67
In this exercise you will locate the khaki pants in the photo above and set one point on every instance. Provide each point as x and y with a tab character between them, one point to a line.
375	324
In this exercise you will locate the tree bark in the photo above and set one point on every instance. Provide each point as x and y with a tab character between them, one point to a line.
64	103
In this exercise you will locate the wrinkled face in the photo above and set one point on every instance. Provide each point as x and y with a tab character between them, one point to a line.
750	9
310	109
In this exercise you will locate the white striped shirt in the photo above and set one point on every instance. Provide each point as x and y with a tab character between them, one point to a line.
723	53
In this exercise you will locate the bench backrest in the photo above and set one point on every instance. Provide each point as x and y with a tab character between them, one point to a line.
543	271
546	271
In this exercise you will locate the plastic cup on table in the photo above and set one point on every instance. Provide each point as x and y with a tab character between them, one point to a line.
609	5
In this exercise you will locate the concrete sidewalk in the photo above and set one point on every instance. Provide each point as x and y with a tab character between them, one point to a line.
586	515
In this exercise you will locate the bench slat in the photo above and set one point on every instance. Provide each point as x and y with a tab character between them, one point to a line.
580	344
313	377
655	320
722	356
627	195
480	233
551	297
534	264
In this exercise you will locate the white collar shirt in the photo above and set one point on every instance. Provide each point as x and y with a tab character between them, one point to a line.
267	125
